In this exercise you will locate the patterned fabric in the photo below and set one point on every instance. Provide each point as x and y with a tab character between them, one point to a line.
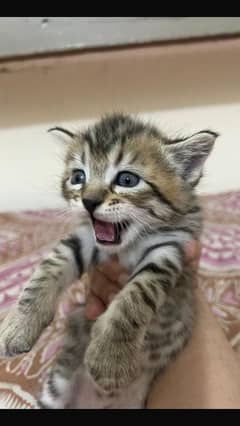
219	273
25	238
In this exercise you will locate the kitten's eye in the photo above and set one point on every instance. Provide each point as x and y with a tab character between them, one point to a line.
127	179
78	177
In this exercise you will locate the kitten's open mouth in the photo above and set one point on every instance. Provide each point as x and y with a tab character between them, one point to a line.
107	232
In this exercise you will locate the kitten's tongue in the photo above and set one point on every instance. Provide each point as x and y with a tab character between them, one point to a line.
104	231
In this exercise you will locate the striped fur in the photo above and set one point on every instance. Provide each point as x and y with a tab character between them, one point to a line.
151	318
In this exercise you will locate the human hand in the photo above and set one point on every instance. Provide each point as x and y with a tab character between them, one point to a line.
106	280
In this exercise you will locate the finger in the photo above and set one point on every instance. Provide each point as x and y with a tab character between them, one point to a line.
102	287
192	251
94	307
112	269
85	280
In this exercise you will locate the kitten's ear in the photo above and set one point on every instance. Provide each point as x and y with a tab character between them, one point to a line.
190	154
66	134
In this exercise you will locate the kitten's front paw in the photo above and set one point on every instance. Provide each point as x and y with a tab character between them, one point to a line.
112	364
17	335
56	391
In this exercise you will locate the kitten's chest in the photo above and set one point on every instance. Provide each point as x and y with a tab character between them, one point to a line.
131	257
128	259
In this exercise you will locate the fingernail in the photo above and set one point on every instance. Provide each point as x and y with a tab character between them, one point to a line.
123	278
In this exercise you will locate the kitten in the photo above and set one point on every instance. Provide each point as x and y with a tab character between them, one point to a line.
137	189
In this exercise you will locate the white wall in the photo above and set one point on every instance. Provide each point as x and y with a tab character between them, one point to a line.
41	35
181	88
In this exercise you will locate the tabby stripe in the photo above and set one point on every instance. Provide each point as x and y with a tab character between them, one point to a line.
133	297
153	285
150	336
151	267
134	158
55	276
40	279
153	346
171	266
88	139
165	323
31	289
95	256
124	332
52	388
155	356
195	182
74	244
145	297
173	229
59	255
152	213
50	262
195	209
119	157
83	158
127	315
165	284
25	301
63	258
162	197
168	243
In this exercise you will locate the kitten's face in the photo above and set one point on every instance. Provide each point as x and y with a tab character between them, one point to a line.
121	173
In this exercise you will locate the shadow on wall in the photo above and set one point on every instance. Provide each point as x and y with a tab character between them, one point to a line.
138	80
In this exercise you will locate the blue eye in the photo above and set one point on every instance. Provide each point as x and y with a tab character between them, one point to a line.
127	179
78	177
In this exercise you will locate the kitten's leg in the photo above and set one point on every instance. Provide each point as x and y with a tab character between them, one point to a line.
57	390
135	395
113	356
36	306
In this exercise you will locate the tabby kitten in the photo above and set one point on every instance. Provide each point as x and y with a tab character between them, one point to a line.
137	189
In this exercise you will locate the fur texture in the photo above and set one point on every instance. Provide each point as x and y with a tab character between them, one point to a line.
137	189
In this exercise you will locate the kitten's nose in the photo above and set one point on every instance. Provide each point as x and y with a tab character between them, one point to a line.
91	203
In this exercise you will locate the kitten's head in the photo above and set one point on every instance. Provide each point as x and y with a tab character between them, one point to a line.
128	177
